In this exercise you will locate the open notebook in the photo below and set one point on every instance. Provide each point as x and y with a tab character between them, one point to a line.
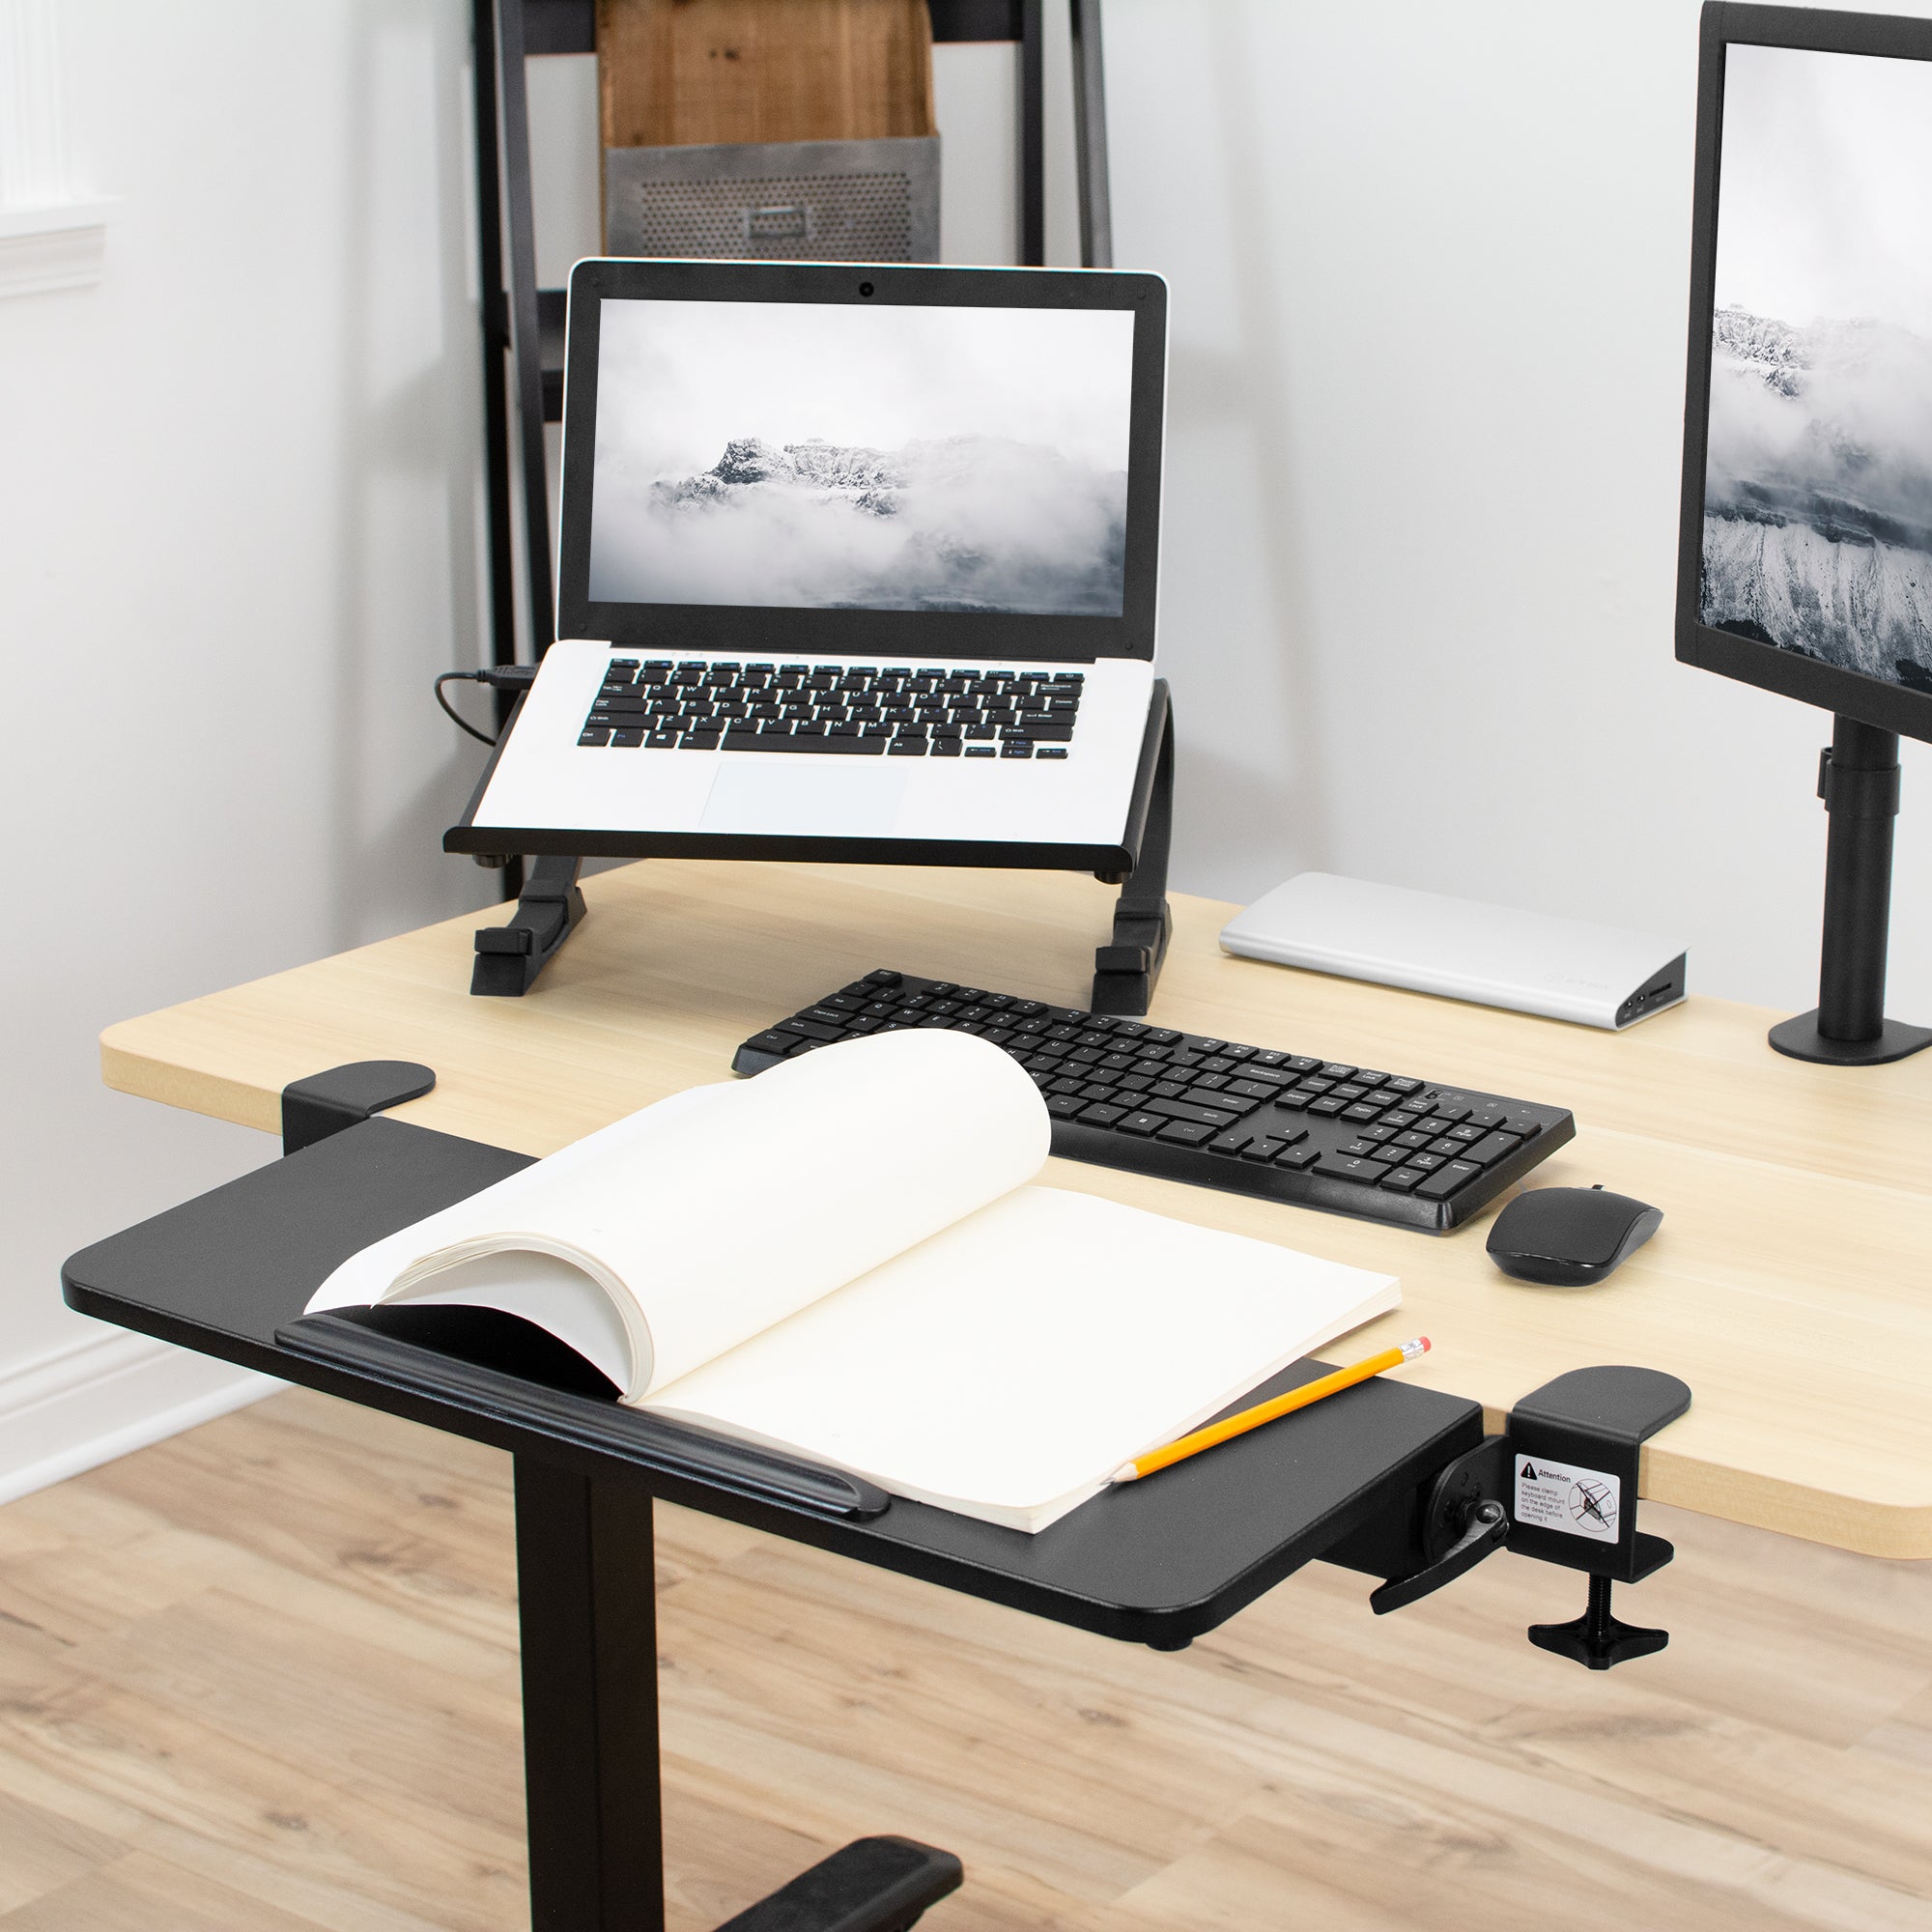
842	1259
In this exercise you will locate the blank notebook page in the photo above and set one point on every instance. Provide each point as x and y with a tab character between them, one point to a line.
1009	1365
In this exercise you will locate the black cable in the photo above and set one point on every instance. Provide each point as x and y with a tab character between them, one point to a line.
449	711
505	677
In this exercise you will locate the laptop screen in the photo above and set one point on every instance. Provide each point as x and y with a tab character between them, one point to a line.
774	457
830	456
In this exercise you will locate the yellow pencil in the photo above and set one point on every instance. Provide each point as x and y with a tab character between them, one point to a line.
1267	1411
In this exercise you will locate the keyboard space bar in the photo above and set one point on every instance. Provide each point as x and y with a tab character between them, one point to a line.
756	741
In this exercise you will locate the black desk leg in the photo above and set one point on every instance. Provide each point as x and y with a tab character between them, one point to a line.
587	1605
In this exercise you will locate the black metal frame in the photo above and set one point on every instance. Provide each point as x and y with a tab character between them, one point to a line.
586	1612
1389	1479
500	25
550	906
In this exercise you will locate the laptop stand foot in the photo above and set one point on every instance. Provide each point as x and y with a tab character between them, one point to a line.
549	908
1126	971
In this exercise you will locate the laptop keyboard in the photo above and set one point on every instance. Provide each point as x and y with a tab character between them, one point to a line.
899	711
1285	1126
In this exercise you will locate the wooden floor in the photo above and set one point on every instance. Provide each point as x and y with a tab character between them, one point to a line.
264	1676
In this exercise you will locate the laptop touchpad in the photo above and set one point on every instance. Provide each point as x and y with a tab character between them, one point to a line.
780	793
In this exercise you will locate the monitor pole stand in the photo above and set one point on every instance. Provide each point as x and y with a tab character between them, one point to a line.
1857	778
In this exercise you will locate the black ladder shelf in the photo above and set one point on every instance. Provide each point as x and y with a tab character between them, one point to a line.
522	325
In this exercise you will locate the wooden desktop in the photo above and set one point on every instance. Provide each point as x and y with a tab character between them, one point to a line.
1787	1284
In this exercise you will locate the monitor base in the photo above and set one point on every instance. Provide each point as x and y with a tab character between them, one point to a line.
1857	778
1801	1039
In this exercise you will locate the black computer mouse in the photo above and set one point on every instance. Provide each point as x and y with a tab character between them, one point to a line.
1570	1236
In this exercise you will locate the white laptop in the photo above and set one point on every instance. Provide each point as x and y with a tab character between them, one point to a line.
854	561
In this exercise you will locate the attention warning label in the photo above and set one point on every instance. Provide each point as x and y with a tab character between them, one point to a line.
1561	1497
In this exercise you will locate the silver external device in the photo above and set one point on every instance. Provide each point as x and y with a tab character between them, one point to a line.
1563	969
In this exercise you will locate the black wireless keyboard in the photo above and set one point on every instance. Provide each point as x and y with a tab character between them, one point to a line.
1386	1146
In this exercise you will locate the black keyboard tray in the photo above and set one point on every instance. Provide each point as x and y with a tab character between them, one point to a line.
1157	1562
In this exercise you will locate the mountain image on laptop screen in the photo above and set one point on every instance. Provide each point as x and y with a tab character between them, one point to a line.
831	455
1818	477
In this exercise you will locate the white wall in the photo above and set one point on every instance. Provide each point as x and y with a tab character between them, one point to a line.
238	534
1429	271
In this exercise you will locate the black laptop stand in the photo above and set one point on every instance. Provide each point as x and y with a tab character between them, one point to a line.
1387	1478
549	907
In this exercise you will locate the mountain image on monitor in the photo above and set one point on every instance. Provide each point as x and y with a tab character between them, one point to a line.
1818	490
959	522
1818	472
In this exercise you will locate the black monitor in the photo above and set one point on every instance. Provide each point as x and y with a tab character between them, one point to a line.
1805	560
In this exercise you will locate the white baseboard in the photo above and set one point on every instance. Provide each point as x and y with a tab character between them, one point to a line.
102	1396
59	246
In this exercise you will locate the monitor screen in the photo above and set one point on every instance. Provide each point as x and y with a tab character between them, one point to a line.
1817	498
836	456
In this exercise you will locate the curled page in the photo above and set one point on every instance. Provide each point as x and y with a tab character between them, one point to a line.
710	1217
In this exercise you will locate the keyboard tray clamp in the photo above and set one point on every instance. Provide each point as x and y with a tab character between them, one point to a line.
1560	1485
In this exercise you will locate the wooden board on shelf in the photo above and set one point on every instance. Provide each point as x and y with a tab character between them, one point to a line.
684	73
